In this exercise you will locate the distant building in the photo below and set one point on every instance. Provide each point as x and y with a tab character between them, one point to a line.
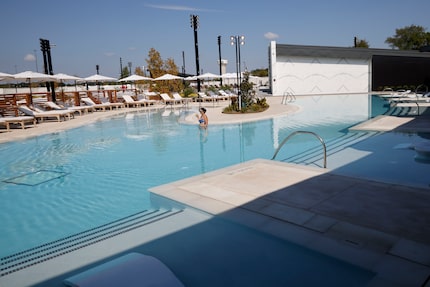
303	70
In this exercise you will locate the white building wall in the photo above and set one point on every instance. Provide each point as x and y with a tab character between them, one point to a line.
311	75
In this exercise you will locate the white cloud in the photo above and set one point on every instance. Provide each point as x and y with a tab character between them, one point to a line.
178	8
109	54
30	58
132	48
271	36
172	7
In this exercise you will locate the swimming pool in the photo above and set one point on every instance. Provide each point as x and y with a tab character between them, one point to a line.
61	184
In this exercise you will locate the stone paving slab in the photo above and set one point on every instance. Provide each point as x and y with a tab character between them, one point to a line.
386	219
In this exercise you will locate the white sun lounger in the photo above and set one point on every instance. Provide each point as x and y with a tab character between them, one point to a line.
91	103
130	102
17	120
130	270
79	109
168	100
183	100
48	114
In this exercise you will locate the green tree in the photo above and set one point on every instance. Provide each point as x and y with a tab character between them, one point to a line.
157	67
409	38
125	72
154	62
260	72
139	71
361	43
171	68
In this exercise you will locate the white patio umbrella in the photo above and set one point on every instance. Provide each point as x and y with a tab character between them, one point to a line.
167	77
229	76
5	76
99	78
30	76
134	78
191	78
208	76
64	77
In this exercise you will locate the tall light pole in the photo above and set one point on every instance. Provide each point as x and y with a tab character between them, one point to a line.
220	62
45	47
238	41
195	25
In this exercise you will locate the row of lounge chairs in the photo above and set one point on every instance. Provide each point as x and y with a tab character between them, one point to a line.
211	96
42	110
406	99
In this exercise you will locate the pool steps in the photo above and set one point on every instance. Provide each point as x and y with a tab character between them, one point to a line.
30	257
314	156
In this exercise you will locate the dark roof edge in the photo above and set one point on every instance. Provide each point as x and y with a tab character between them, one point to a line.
347	52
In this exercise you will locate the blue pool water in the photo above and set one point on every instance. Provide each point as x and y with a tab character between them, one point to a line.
60	184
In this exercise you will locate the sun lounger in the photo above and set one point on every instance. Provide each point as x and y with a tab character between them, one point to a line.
411	104
45	114
168	100
145	100
204	98
91	103
78	109
105	101
6	121
129	101
130	270
183	100
223	95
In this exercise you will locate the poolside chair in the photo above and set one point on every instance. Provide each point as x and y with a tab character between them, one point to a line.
6	121
223	95
204	98
130	102
166	99
132	269
231	94
183	100
78	109
38	114
145	100
105	101
89	102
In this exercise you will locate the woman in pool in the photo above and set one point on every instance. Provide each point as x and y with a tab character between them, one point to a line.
203	119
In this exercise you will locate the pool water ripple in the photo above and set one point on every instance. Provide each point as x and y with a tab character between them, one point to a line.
111	164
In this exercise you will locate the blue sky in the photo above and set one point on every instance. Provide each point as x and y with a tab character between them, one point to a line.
94	32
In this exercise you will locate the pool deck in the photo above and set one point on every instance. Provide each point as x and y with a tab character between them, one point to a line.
381	227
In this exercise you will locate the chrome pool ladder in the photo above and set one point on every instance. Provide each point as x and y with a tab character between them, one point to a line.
304	132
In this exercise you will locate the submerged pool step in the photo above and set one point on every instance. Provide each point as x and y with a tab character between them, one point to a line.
315	156
30	257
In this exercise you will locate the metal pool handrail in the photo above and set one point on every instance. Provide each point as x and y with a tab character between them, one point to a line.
304	132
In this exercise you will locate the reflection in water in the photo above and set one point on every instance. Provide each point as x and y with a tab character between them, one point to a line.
203	133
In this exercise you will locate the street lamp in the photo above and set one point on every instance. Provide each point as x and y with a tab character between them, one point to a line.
195	25
45	47
238	41
220	61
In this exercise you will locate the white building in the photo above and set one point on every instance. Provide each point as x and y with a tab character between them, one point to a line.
310	70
